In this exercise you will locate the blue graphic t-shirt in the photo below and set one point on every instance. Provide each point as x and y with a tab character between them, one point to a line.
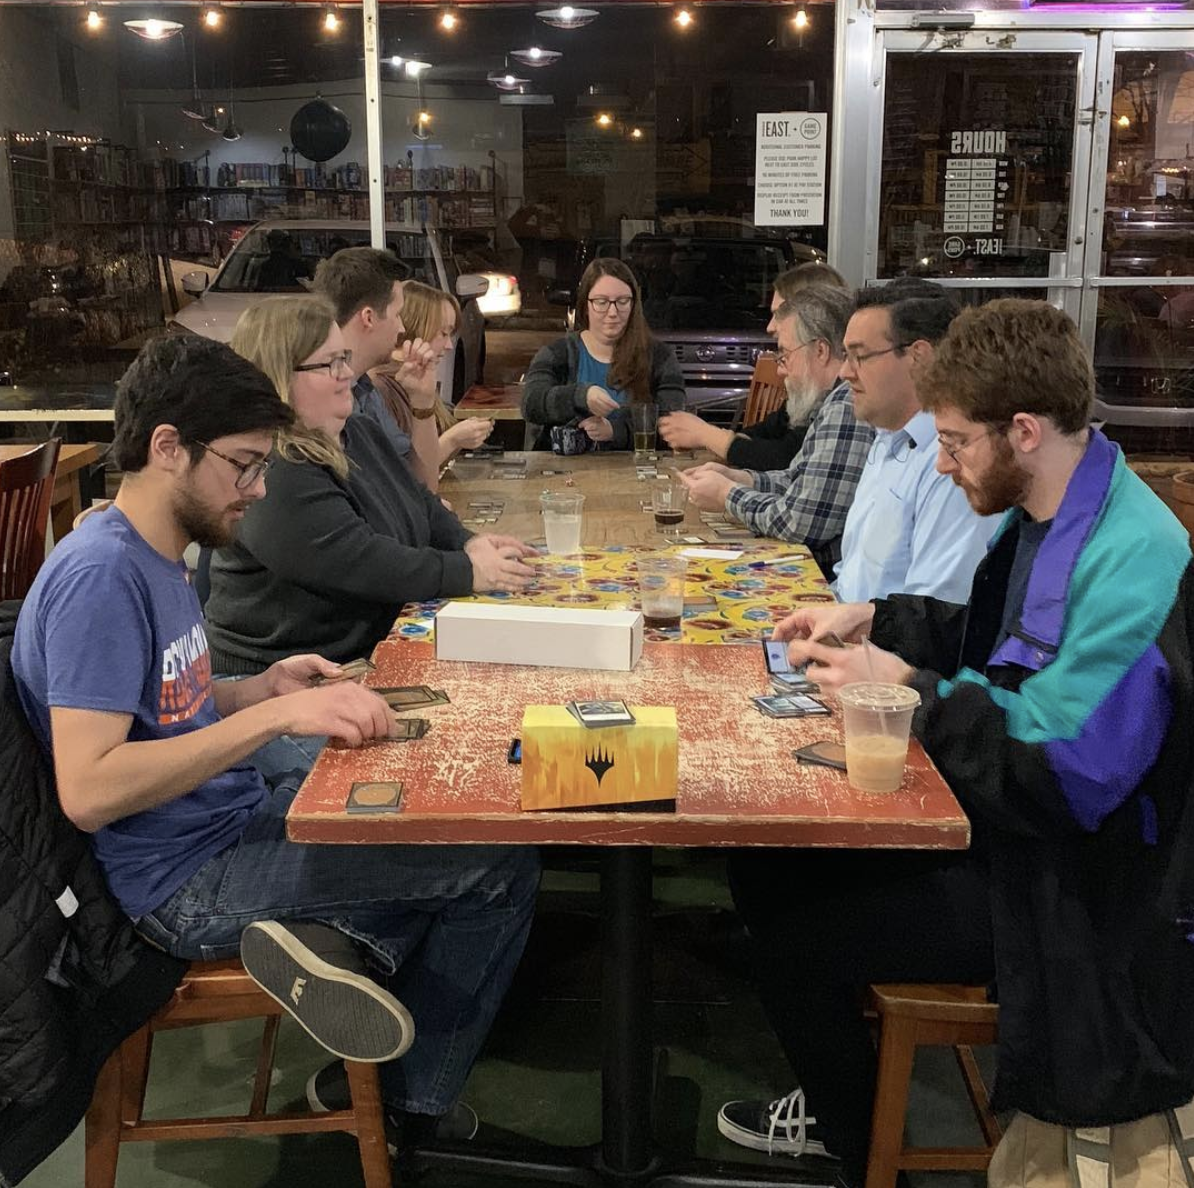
110	624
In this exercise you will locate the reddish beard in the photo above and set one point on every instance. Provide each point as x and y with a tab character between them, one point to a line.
1002	485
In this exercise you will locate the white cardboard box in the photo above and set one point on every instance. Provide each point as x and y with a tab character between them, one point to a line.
555	637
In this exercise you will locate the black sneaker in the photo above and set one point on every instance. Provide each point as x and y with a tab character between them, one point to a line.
779	1128
317	974
327	1090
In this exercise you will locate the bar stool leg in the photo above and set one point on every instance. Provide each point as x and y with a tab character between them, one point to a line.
365	1090
897	1045
102	1128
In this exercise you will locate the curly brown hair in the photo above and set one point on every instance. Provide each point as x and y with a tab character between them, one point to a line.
630	367
1011	356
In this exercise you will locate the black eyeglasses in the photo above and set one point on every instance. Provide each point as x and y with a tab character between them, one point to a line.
602	304
339	366
856	360
250	472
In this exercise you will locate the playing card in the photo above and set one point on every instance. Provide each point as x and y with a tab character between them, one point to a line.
555	472
601	713
794	705
354	670
793	682
408	697
701	604
731	532
690	540
374	796
407	729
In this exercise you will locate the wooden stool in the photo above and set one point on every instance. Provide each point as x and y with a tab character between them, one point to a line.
219	992
910	1016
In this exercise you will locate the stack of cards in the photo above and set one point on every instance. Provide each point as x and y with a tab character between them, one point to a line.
510	468
407	730
645	471
354	670
596	714
793	682
411	697
483	511
792	705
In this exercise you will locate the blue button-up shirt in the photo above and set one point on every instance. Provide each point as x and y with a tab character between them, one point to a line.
909	530
367	400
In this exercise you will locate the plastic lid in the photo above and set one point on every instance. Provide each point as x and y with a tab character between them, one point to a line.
875	696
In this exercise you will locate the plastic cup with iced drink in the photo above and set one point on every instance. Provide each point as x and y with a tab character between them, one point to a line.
877	719
562	515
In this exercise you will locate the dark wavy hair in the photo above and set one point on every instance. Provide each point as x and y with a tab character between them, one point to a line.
630	367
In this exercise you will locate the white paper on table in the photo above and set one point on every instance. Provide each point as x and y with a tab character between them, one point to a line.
712	554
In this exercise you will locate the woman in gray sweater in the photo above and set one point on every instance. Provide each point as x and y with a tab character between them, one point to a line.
346	533
590	377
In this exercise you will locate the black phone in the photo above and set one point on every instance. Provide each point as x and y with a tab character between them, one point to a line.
514	754
823	754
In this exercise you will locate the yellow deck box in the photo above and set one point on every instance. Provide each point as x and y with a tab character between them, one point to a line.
566	765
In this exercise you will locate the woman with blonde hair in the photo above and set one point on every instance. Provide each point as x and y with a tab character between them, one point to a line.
432	316
590	377
346	533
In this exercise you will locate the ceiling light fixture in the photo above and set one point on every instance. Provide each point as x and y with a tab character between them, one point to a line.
212	17
504	80
536	56
604	119
154	29
331	22
414	68
683	18
1124	121
448	21
636	134
94	19
567	17
800	20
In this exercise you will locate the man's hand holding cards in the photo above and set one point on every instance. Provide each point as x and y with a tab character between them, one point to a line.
353	670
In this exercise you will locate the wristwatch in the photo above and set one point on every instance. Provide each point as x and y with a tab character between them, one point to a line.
422	413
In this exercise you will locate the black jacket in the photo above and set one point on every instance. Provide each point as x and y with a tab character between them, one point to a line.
769	444
551	395
1068	742
75	980
324	564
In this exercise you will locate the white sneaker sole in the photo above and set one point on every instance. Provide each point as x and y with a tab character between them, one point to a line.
347	1013
757	1142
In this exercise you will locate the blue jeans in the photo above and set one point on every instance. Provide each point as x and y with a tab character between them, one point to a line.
444	927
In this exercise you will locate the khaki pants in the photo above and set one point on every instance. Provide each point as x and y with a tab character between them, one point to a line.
1154	1152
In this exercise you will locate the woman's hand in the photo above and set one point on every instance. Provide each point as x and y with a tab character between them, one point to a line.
466	434
600	402
598	428
417	369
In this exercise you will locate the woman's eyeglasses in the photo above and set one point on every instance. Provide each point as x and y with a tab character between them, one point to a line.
339	366
602	304
250	472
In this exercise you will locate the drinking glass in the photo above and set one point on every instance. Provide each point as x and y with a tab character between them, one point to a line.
643	419
877	719
562	514
661	588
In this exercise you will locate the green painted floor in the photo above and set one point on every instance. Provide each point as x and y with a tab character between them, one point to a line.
538	1077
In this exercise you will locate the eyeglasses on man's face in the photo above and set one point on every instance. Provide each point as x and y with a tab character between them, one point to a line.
954	450
339	366
601	304
250	472
857	358
783	356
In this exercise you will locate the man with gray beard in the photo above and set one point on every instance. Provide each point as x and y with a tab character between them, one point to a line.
807	502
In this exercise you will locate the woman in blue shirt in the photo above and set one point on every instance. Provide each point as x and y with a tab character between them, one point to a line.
590	377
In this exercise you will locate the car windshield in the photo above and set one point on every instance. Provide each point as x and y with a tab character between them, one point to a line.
700	283
283	259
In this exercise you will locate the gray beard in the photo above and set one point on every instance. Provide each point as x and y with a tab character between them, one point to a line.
803	398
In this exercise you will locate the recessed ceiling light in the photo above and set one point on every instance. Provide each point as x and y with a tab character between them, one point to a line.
536	56
154	29
567	17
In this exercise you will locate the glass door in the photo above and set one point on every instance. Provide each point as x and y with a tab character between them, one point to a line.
1138	298
982	179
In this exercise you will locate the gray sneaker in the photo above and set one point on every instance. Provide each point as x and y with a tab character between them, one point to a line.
779	1127
317	975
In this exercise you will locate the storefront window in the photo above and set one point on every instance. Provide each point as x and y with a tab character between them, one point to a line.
174	178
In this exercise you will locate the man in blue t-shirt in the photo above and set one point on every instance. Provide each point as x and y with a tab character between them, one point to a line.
155	760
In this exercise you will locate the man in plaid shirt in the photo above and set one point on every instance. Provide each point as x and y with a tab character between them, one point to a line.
808	501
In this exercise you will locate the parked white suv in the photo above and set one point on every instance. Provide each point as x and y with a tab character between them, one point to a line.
280	256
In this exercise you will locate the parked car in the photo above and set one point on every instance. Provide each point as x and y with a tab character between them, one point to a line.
280	256
708	297
503	298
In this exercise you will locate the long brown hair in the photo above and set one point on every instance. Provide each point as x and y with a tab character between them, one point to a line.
630	367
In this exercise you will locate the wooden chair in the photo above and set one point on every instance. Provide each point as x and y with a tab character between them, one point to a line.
219	992
26	488
909	1016
766	392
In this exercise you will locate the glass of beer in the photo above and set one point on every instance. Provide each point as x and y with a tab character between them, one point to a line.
661	588
878	719
669	502
643	419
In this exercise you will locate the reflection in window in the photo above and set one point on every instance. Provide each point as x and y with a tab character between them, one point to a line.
1149	224
977	155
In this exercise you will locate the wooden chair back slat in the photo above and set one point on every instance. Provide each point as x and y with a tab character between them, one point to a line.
766	393
26	489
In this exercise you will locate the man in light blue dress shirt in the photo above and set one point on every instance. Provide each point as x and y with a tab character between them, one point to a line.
909	530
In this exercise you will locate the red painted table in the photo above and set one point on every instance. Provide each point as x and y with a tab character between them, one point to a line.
739	786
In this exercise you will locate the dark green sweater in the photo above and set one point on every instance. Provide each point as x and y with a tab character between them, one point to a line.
322	564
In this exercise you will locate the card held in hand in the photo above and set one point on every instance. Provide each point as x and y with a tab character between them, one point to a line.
407	729
353	670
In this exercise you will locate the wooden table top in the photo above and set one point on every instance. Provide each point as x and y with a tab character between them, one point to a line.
70	457
739	785
81	402
503	402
